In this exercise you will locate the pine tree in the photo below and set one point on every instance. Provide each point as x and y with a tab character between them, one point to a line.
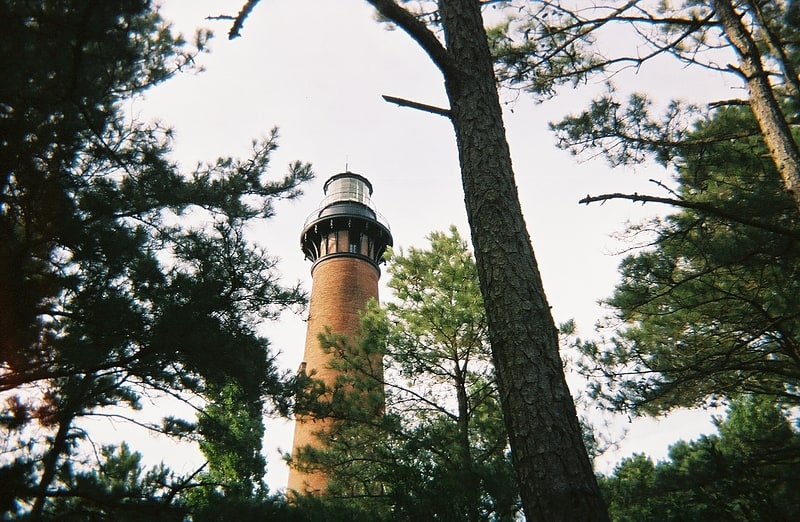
107	294
742	473
710	309
442	434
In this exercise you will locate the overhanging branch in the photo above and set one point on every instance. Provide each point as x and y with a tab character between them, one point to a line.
700	207
416	30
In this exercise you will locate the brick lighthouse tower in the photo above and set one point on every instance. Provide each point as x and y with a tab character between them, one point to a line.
345	238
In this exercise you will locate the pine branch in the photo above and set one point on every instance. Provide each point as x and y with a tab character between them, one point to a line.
701	207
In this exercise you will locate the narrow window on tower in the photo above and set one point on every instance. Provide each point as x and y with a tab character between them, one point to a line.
342	243
353	245
331	241
364	251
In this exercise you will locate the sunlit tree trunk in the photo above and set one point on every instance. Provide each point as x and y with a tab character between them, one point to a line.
767	111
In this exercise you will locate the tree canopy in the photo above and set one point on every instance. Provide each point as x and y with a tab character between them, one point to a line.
754	41
710	308
741	473
122	278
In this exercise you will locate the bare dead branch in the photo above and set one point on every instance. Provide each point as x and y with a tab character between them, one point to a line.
416	105
663	186
735	102
238	20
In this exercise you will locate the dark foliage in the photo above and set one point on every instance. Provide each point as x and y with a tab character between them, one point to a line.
121	278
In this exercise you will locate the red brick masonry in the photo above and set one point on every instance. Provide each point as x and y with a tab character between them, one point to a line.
341	288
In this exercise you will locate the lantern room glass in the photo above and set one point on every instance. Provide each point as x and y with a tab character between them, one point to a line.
348	188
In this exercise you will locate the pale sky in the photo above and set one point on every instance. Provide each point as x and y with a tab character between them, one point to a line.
317	69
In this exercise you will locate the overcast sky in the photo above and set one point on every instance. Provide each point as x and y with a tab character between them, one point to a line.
317	69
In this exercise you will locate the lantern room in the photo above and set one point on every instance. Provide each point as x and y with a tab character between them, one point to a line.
346	223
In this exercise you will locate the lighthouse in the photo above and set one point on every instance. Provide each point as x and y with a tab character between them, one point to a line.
345	239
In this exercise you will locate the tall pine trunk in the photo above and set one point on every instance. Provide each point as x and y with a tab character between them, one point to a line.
766	109
555	474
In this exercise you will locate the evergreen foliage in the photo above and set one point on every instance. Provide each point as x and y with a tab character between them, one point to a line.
440	451
711	308
756	42
708	309
740	474
104	297
122	278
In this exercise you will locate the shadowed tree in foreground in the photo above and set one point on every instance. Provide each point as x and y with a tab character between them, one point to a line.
108	299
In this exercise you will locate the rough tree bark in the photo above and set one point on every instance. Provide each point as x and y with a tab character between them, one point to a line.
555	474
